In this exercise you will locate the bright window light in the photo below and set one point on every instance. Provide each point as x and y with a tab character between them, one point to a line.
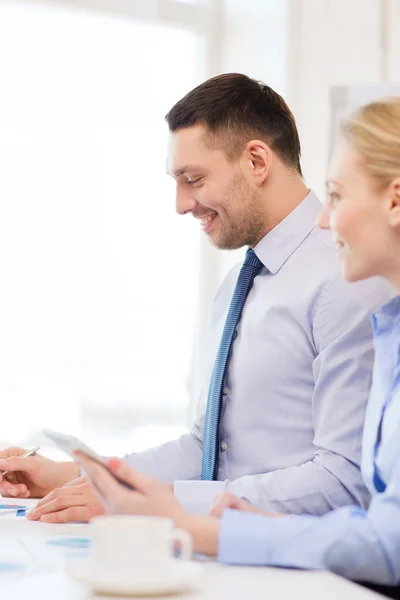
97	273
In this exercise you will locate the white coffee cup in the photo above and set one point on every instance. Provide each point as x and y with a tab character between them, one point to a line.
140	547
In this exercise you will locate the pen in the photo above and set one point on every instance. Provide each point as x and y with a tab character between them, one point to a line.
28	453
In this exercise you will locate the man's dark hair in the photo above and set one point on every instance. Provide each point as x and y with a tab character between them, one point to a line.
235	109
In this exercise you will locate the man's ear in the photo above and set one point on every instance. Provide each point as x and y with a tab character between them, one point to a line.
258	157
394	203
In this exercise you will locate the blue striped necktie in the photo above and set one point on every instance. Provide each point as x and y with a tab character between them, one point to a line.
251	267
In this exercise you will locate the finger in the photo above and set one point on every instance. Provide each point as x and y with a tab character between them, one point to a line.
73	513
137	480
8	482
22	490
224	499
104	483
16	492
112	495
77	490
8	489
47	498
58	504
77	481
218	509
122	501
17	463
227	500
25	494
11	477
14	451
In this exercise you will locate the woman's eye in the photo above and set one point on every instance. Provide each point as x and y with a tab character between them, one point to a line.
334	198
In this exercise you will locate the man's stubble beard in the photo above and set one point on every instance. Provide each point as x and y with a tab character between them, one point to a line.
246	227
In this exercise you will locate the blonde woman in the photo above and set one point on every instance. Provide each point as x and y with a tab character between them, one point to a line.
363	212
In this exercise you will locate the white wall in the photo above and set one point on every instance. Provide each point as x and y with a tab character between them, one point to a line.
335	42
88	234
394	41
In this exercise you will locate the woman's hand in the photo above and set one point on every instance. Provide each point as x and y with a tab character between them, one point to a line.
148	496
229	500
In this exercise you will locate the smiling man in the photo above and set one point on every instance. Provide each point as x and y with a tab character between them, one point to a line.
289	352
229	212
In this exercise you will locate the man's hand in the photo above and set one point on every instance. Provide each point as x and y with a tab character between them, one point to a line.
33	476
229	500
75	501
148	496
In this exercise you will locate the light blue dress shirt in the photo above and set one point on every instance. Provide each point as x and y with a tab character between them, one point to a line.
358	544
296	385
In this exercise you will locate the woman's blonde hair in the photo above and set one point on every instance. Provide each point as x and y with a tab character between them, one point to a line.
374	130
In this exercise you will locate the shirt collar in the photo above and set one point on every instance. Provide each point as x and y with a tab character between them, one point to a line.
278	245
387	317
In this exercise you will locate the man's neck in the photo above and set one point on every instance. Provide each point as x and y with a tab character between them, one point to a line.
282	200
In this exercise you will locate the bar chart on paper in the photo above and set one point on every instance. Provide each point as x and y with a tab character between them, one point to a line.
11	508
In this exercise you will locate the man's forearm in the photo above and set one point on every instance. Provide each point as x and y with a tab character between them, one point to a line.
315	487
178	459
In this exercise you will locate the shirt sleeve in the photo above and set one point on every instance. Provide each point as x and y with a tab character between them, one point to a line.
175	460
357	544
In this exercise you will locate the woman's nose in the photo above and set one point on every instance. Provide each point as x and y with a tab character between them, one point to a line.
323	219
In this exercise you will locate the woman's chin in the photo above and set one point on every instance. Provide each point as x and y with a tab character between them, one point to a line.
352	274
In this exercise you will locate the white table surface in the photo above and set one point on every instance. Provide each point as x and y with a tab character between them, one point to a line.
219	582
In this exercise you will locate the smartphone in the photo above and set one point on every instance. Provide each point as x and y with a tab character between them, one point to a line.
69	443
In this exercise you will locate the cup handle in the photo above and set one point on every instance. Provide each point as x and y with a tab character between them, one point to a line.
185	543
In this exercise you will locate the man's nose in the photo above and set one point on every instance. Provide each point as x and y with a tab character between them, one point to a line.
185	203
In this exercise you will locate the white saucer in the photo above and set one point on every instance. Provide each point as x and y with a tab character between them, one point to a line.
178	578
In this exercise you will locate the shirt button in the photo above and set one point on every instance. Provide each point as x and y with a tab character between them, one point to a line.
224	446
234	335
225	391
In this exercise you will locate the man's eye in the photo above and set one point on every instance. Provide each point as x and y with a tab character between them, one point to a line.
192	181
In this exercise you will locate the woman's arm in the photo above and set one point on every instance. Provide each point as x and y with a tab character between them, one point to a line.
358	544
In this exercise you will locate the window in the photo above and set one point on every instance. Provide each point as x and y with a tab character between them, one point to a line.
97	273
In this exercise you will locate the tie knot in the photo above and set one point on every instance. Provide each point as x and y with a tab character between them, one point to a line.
252	259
